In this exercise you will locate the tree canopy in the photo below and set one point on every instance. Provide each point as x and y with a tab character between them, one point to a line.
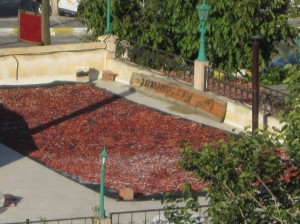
172	25
232	23
252	177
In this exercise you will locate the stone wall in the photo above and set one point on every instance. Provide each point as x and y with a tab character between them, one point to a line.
44	64
48	63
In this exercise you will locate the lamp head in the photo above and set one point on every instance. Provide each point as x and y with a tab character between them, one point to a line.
203	11
103	155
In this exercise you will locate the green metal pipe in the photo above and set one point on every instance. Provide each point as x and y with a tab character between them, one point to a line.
107	31
103	157
202	54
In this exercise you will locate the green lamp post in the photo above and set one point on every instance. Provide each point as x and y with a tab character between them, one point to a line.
203	11
107	31
103	157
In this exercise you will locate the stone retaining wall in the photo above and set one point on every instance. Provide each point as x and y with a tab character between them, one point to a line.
44	64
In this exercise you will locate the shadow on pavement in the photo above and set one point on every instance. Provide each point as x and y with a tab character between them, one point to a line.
14	131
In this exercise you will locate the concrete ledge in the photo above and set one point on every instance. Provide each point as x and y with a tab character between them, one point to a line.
201	102
241	116
48	63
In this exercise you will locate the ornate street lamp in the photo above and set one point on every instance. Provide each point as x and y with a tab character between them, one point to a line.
203	11
103	157
107	30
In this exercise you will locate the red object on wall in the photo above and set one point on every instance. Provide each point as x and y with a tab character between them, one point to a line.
30	27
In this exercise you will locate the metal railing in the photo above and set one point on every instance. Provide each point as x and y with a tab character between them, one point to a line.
171	65
80	220
174	66
152	216
236	88
273	101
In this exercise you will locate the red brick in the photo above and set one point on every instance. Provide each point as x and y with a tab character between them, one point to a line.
126	194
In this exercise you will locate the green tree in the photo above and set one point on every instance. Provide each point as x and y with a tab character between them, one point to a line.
167	25
291	129
247	179
172	25
93	16
253	177
232	23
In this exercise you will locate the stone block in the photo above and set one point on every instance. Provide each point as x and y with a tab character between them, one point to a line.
126	194
10	200
108	75
82	71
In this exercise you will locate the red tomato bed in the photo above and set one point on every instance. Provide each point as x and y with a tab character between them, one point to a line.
66	126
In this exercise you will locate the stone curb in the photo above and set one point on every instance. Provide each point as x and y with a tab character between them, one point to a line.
54	31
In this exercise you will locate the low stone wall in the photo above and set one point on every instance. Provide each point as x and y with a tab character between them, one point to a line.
241	116
50	63
201	102
44	64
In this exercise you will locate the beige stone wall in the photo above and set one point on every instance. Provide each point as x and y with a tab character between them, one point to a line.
123	69
43	63
241	116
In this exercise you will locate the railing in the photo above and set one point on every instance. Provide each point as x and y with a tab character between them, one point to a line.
80	220
270	102
171	65
273	101
152	216
174	66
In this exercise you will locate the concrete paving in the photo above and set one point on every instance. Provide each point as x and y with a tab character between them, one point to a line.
161	105
43	193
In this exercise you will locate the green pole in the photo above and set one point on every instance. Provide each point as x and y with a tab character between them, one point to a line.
202	54
107	31
103	157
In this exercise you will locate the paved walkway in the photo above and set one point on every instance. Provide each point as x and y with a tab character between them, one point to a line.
43	193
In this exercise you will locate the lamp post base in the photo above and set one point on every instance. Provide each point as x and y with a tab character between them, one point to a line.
199	75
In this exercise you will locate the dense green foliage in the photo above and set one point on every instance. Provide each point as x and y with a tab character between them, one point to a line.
291	129
172	25
168	25
276	75
247	179
231	24
253	177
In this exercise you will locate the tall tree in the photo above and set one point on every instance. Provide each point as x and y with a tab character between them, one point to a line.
172	25
232	22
